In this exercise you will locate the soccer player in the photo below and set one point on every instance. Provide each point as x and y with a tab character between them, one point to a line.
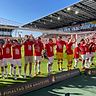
7	56
76	55
1	60
28	53
59	52
38	48
69	52
87	44
16	50
92	48
20	39
83	52
50	53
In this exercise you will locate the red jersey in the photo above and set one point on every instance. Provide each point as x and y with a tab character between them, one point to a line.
16	51
92	47
76	52
49	49
60	45
28	48
82	49
1	54
7	50
69	50
38	47
87	48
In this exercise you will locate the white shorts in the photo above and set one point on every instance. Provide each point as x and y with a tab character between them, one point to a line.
16	62
7	60
28	59
92	54
83	57
50	59
37	58
1	63
87	55
76	59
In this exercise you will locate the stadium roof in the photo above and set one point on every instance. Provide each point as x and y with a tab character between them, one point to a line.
81	12
8	24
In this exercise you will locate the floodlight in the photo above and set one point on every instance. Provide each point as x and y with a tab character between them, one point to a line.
68	8
58	18
76	12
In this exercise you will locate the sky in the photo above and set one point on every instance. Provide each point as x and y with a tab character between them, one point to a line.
25	11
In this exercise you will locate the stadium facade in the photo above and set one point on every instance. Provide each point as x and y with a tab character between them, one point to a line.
7	27
6	31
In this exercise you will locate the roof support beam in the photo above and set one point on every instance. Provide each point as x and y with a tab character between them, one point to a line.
74	15
88	7
85	10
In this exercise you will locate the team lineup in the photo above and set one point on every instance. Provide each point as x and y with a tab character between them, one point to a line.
10	53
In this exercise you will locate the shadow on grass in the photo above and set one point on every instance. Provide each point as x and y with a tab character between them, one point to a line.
10	81
82	82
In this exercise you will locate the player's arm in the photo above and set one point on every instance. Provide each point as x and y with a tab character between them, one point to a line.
54	44
73	40
4	45
45	46
23	42
42	46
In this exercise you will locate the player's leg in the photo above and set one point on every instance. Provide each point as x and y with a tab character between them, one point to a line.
19	66
71	61
25	66
62	64
51	61
61	59
19	71
15	77
87	61
35	65
58	58
30	69
49	66
83	61
92	58
70	64
59	64
30	65
5	60
67	62
11	69
14	66
39	64
11	66
2	68
83	64
76	62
